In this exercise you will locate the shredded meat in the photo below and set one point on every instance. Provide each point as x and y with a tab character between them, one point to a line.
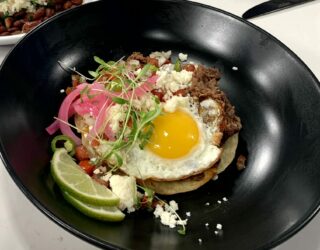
138	56
241	162
204	86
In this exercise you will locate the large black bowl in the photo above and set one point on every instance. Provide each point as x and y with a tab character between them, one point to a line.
275	94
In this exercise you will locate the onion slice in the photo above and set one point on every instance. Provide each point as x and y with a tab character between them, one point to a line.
63	116
54	127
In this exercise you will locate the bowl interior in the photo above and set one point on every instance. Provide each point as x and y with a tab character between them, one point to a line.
274	93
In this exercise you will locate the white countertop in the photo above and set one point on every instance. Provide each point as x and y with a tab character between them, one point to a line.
23	226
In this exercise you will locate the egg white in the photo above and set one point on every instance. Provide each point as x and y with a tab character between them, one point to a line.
144	164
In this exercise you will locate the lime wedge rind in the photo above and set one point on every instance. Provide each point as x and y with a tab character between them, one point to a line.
70	177
104	213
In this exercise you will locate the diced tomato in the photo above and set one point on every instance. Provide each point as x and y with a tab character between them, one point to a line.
153	61
189	67
87	166
81	153
180	92
159	93
95	143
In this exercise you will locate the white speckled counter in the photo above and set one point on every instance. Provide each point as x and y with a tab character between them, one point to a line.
23	226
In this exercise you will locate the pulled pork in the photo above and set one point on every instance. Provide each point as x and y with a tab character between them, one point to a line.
204	86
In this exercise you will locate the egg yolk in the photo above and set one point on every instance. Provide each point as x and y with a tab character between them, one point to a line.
174	136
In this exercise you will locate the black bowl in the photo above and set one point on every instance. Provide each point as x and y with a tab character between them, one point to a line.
275	94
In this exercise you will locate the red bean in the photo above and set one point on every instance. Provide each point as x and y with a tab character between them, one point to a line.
12	29
30	25
2	29
153	61
159	93
18	24
67	5
5	33
23	21
49	12
8	22
39	13
76	2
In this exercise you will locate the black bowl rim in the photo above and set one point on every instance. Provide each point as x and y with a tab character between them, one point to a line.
271	244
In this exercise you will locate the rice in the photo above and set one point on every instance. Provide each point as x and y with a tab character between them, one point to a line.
12	6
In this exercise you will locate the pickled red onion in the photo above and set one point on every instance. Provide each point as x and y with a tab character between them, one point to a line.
96	106
54	127
63	116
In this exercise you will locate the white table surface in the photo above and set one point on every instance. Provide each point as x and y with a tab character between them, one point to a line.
22	226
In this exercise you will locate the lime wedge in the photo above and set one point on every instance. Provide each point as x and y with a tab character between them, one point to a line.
105	213
71	178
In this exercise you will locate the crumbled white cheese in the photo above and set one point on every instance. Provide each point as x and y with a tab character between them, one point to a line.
144	103
207	204
173	80
176	101
134	62
188	214
157	54
183	77
62	91
207	103
161	61
137	72
162	57
126	189
174	205
219	201
106	177
96	171
211	107
200	241
103	169
167	215
207	224
183	57
219	226
117	114
224	199
235	68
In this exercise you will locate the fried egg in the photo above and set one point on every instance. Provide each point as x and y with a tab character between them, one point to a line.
180	146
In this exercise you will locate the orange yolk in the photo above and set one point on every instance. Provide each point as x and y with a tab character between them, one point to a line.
174	136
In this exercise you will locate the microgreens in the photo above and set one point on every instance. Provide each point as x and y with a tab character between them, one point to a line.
143	71
120	101
137	126
73	70
149	193
86	92
177	66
